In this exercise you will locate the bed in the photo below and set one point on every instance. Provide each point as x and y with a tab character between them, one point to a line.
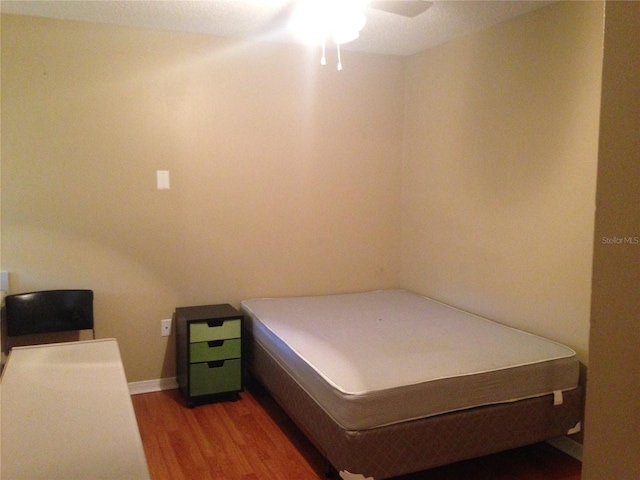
389	382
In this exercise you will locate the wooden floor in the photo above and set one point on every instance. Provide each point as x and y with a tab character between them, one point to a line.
252	439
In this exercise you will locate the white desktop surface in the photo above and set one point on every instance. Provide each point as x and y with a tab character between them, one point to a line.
66	413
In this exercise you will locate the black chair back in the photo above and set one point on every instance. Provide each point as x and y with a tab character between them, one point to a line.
49	311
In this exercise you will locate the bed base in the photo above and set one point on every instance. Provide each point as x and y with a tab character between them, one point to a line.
421	444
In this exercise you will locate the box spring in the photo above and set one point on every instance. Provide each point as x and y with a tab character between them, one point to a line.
420	444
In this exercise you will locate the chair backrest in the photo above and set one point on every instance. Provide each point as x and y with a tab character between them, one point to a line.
49	311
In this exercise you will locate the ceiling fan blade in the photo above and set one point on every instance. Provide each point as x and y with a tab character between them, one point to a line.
406	8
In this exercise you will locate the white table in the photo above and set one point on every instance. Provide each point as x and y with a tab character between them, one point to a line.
66	413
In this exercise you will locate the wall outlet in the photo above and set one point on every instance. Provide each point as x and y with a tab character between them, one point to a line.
165	327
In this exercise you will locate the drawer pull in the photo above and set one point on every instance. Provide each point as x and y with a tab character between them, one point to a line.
215	323
216	364
215	343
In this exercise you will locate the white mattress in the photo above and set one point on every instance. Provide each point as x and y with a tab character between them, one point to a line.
378	358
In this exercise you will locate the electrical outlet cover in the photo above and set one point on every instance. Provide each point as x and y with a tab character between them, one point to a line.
165	327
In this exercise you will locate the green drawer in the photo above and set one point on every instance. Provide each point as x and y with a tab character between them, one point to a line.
214	330
215	377
214	350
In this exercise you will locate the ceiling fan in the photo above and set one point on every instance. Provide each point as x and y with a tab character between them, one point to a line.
340	21
405	8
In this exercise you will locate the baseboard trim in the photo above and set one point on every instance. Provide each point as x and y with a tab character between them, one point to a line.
568	446
148	386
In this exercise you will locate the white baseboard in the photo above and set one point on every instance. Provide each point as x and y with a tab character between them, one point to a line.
568	446
148	386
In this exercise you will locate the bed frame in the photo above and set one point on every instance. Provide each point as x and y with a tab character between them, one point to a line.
414	445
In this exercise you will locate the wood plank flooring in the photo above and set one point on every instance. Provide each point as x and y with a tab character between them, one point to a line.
252	439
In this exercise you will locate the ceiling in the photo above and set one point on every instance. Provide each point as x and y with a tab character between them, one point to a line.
384	33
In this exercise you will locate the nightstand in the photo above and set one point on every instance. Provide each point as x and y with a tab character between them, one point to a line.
208	353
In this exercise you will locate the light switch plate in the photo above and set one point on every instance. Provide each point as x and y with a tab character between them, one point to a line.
162	177
4	282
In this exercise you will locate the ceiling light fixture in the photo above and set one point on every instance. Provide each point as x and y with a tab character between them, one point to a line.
316	21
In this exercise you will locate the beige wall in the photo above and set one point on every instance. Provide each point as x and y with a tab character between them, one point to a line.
499	171
612	435
286	179
285	176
